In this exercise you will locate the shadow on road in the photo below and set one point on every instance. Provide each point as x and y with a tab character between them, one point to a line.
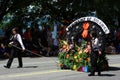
113	68
109	75
30	67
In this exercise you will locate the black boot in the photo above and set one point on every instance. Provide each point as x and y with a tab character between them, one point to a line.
91	74
19	67
6	67
99	73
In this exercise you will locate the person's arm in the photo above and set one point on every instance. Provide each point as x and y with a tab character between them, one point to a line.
20	41
96	44
99	51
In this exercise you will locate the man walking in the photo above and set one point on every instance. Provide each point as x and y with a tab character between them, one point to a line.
16	40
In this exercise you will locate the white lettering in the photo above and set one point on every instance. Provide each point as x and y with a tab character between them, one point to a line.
92	19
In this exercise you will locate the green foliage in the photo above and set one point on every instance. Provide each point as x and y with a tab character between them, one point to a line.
78	57
59	10
74	58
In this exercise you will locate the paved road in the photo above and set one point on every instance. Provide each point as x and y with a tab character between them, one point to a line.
45	68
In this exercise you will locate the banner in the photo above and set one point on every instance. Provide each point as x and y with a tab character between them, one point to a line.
92	19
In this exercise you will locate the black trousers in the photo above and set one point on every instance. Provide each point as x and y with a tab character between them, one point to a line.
13	53
94	65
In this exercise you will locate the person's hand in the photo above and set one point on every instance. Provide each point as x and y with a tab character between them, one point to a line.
23	50
10	44
99	52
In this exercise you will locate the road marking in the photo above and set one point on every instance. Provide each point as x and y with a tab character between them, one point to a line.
31	73
26	74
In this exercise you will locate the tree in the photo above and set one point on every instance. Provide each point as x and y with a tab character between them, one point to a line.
8	6
30	10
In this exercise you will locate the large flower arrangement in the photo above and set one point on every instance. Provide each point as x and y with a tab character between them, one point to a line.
74	57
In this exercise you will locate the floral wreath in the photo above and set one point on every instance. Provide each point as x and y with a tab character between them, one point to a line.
76	56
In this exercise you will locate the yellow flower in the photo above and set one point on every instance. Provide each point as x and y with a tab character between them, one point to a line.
80	52
65	42
74	67
75	57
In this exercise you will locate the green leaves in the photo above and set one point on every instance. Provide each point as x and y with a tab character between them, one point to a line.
74	58
59	10
77	57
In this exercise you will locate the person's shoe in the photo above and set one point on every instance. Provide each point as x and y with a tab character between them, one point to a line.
19	67
99	73
6	67
91	74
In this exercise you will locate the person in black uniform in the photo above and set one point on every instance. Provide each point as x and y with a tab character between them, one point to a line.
95	52
16	40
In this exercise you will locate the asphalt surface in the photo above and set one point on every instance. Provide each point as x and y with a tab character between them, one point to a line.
45	68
